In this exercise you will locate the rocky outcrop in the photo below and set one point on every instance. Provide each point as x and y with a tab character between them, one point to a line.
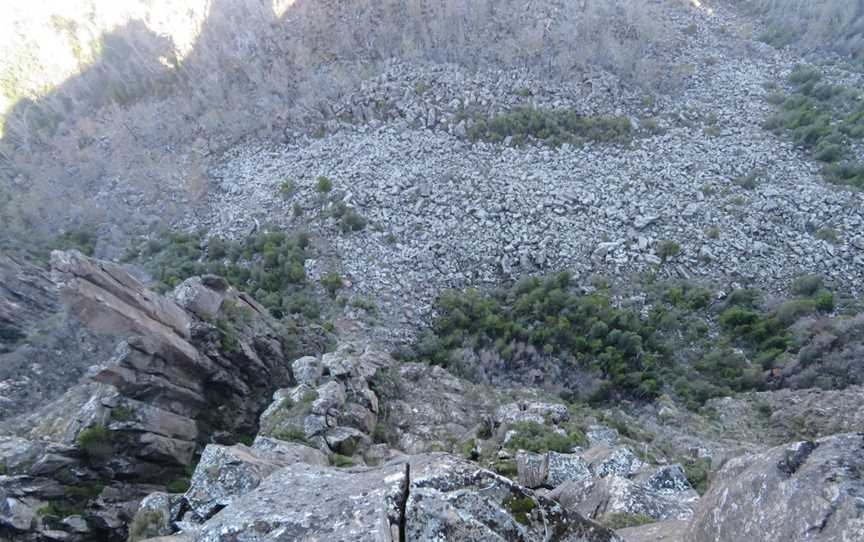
333	407
194	367
34	327
809	490
423	497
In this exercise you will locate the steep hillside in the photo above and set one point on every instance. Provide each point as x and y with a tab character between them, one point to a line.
559	270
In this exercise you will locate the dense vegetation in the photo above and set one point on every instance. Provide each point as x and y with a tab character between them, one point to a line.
267	264
552	127
682	340
825	119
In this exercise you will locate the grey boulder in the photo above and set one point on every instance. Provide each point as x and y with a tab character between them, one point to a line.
811	490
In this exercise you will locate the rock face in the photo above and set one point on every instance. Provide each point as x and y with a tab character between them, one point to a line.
810	490
333	407
424	497
191	368
34	327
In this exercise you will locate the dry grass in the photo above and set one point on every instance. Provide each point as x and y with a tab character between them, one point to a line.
147	112
833	25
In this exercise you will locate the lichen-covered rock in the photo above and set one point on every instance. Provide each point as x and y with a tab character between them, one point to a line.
669	478
286	453
612	494
662	531
452	499
550	469
809	490
347	440
307	370
618	461
601	435
17	514
153	518
428	407
330	396
532	469
203	296
564	467
223	474
308	502
531	411
426	497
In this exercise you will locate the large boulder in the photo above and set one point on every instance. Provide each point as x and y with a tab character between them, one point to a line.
223	474
550	469
615	495
810	490
425	497
184	369
453	499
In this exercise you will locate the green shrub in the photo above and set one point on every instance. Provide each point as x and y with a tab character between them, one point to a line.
364	304
341	461
539	438
121	413
82	239
268	264
469	449
749	181
824	119
96	443
351	221
520	507
828	234
506	468
697	472
803	74
323	185
806	285
291	435
790	312
552	127
667	249
179	485
331	282
824	301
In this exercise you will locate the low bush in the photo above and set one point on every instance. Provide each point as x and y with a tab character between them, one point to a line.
82	239
539	438
179	485
97	443
668	249
682	342
553	127
267	264
697	472
825	120
331	282
323	185
806	285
